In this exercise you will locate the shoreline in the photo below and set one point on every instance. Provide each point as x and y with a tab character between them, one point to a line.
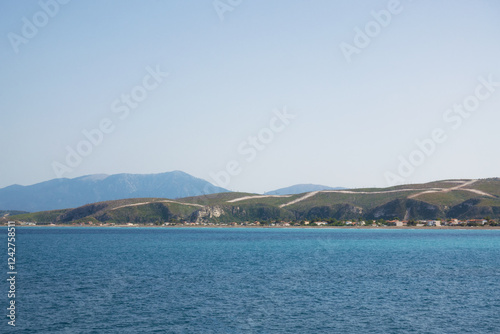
288	227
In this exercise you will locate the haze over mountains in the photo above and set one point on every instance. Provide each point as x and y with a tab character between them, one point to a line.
71	193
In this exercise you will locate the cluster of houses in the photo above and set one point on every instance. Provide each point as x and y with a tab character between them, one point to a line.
450	222
397	223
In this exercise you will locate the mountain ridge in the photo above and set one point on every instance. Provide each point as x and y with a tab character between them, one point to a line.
460	199
67	193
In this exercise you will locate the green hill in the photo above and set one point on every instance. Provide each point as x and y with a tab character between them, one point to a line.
460	199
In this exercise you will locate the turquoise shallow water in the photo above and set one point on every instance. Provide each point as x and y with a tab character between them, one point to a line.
169	280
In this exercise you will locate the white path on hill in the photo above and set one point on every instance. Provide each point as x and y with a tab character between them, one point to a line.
459	187
480	192
425	191
163	201
306	196
373	192
311	194
256	196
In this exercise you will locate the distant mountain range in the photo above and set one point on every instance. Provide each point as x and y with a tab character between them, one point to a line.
71	193
461	199
300	189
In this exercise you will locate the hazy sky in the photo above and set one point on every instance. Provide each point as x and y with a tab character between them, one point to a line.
259	94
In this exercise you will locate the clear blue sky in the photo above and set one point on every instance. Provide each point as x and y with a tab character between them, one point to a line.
353	122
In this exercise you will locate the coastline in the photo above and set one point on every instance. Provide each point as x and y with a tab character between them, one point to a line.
285	227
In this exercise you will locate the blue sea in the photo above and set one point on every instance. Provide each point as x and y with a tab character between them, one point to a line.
254	280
